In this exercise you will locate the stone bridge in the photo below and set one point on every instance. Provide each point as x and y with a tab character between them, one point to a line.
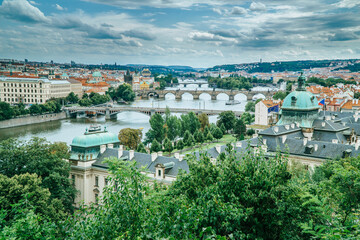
111	112
145	94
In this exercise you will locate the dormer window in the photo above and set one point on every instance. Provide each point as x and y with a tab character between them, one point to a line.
293	101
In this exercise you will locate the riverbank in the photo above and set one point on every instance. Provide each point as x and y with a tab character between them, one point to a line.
23	121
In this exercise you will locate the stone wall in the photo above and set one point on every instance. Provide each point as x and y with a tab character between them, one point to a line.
16	122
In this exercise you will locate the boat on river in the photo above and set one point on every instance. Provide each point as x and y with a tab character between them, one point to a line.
232	102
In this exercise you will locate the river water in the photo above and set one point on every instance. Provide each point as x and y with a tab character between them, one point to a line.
65	130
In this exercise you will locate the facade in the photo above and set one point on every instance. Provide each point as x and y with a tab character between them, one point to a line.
32	90
89	171
266	112
145	72
76	87
144	86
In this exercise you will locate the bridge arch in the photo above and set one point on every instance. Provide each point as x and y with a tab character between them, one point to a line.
170	96
258	96
205	96
152	94
222	96
187	96
240	97
124	115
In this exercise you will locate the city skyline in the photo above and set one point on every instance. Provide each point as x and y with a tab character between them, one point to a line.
195	33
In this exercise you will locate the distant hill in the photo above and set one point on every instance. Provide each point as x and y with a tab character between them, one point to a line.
283	65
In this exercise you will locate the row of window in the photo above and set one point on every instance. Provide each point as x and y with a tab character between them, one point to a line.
21	85
22	95
23	100
20	90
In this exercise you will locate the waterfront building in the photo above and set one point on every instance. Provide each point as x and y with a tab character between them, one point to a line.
89	170
32	90
144	86
266	112
145	72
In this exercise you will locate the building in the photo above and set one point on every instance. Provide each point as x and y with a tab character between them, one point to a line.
266	112
89	169
32	90
145	72
144	86
76	87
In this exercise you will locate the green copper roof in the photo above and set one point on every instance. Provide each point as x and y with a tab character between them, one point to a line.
300	100
95	139
96	74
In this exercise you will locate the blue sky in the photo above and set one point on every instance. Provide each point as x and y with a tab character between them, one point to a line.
198	33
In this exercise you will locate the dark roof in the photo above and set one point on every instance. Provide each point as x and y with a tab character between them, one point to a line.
281	130
328	126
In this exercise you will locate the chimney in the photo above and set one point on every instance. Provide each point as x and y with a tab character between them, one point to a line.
264	141
276	129
305	141
292	125
332	117
334	141
238	144
120	151
102	148
328	117
160	154
323	124
131	154
283	138
316	147
357	144
110	145
181	157
218	148
287	127
153	156
297	124
356	118
177	155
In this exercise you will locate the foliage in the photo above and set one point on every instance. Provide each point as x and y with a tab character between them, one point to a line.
240	128
123	92
130	137
168	147
204	121
232	82
217	133
72	98
227	118
180	144
328	82
280	95
6	111
165	81
209	137
157	130
250	132
248	118
141	148
189	122
44	159
155	146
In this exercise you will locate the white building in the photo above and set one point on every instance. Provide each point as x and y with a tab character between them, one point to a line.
266	112
32	90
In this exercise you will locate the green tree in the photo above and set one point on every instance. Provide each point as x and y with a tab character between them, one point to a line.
85	96
180	145
227	118
189	122
168	147
199	137
279	95
157	130
247	118
240	128
209	137
130	137
217	133
6	111
85	102
43	158
141	148
173	127
125	92
222	128
206	130
155	146
35	109
72	98
250	132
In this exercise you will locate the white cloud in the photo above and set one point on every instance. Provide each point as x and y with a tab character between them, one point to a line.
217	10
21	10
347	3
257	7
238	11
58	7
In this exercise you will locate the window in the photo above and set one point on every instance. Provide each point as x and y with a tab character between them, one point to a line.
73	179
106	181
159	172
96	181
96	198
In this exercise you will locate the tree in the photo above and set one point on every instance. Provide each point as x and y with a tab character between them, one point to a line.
6	111
209	137
222	128
85	102
279	95
173	126
168	147
85	96
180	145
247	118
204	121
217	133
141	148
250	132
227	118
125	92
157	130
240	128
206	130
250	106
43	158
130	137
35	109
199	137
72	98
155	146
189	122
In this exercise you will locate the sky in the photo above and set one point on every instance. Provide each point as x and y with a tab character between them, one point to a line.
197	33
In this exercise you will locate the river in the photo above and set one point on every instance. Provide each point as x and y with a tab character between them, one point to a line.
65	130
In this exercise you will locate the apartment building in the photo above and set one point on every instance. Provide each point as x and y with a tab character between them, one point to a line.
32	90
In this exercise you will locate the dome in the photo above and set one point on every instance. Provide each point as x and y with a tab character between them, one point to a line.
96	74
95	139
300	100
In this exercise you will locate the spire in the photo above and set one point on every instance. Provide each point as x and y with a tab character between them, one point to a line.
301	83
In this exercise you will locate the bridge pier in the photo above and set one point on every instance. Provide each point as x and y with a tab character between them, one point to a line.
196	96
231	97
213	96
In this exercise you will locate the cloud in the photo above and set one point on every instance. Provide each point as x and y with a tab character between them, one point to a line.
217	10
238	11
21	10
343	36
257	7
139	35
58	7
228	33
347	3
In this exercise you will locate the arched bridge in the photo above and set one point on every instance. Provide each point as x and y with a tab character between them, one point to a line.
111	112
145	94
